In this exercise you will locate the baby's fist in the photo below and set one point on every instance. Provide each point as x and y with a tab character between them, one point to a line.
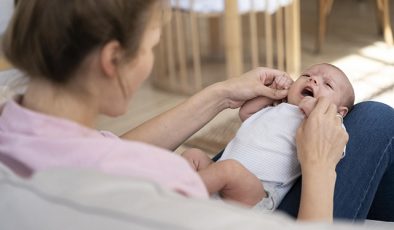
282	82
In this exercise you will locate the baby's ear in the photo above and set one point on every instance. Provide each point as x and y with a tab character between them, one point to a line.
343	110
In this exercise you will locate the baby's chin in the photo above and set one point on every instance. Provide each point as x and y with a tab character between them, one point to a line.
307	104
307	98
300	99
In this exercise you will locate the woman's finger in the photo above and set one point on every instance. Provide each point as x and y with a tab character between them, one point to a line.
267	75
321	107
339	118
332	110
276	94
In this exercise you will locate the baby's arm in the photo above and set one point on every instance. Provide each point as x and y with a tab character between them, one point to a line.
258	103
228	178
254	105
233	182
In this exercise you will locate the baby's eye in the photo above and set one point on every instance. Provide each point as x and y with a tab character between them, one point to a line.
329	85
305	75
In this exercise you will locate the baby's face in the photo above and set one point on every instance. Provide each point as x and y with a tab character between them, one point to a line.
320	80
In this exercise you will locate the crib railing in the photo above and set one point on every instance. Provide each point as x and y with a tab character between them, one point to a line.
198	49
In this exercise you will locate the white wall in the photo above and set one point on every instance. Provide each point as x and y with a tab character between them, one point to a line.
9	79
6	8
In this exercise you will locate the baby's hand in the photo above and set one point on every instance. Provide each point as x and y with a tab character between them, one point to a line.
307	104
282	82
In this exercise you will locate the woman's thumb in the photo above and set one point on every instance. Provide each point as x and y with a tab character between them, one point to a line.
276	93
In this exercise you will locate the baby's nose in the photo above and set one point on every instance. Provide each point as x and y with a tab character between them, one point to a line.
313	80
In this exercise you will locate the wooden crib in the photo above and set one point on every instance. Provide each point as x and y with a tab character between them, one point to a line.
198	49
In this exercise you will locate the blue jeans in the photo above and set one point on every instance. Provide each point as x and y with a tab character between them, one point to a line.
365	177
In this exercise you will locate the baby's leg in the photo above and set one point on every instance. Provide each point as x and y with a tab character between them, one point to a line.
197	158
233	182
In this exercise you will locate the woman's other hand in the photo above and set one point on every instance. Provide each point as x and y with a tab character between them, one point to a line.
320	143
321	138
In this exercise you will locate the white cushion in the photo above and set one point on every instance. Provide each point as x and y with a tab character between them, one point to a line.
81	199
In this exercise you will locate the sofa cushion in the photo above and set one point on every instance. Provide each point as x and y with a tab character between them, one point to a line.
82	199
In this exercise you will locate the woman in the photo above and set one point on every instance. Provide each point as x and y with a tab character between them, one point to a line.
86	58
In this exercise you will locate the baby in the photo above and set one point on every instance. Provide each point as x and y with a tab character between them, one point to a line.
259	166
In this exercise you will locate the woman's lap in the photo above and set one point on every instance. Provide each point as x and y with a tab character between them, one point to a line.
368	163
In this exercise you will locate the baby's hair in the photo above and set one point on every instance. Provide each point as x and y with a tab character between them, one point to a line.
51	38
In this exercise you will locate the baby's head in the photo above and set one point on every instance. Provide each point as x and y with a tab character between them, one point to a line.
323	80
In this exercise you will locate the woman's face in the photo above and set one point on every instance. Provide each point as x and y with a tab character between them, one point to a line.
131	73
137	70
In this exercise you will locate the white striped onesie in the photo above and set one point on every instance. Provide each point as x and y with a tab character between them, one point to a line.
265	145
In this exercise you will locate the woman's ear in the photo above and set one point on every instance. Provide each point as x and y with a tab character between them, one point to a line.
110	57
343	110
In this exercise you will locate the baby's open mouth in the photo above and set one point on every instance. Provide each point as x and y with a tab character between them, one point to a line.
307	92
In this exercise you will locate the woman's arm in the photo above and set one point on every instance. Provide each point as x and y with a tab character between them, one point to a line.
173	127
320	143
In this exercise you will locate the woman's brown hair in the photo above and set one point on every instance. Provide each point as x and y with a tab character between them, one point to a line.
51	38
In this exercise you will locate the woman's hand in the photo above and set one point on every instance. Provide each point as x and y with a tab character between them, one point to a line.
320	143
321	138
253	84
278	81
